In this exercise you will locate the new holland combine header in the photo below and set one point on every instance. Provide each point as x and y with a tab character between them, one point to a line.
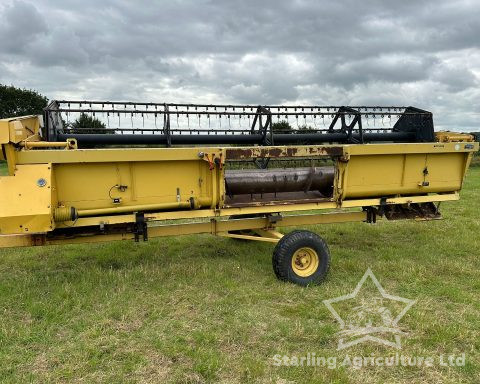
238	171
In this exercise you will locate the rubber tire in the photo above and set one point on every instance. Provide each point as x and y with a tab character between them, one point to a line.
285	249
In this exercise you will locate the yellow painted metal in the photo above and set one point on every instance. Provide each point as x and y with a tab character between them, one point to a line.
407	148
402	200
297	208
107	155
117	155
107	186
69	144
297	219
448	137
378	169
219	227
404	169
10	156
17	129
4	131
14	131
11	241
305	261
248	237
26	200
62	214
267	235
134	208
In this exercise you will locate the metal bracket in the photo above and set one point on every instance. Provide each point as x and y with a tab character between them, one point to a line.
267	235
383	204
38	239
265	129
166	126
140	227
348	129
273	219
213	159
371	214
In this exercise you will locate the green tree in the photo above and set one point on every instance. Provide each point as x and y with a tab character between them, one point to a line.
20	102
282	127
86	121
305	129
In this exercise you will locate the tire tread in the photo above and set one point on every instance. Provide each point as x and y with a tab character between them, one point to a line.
283	253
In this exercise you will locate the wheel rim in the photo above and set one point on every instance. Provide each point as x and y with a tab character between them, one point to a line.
305	262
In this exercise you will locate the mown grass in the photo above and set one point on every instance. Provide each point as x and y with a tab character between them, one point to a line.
200	309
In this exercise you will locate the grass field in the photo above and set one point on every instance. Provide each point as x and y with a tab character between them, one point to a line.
200	309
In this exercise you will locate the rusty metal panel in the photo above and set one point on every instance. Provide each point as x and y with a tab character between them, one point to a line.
245	153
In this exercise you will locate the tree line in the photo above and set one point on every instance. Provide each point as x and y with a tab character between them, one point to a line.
15	102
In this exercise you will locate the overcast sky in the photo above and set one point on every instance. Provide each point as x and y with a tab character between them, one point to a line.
422	53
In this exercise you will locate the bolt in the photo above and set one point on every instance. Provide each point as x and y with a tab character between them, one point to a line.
41	182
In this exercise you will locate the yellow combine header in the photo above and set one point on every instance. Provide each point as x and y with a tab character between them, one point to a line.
176	170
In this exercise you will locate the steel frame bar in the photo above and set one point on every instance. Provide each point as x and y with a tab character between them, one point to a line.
214	227
264	210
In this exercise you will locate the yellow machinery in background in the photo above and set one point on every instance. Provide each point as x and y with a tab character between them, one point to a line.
165	174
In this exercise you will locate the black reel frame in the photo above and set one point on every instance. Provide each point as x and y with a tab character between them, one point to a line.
346	124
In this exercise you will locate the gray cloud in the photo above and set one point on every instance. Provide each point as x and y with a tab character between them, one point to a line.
382	52
21	26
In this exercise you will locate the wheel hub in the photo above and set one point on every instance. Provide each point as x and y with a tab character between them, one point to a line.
305	261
